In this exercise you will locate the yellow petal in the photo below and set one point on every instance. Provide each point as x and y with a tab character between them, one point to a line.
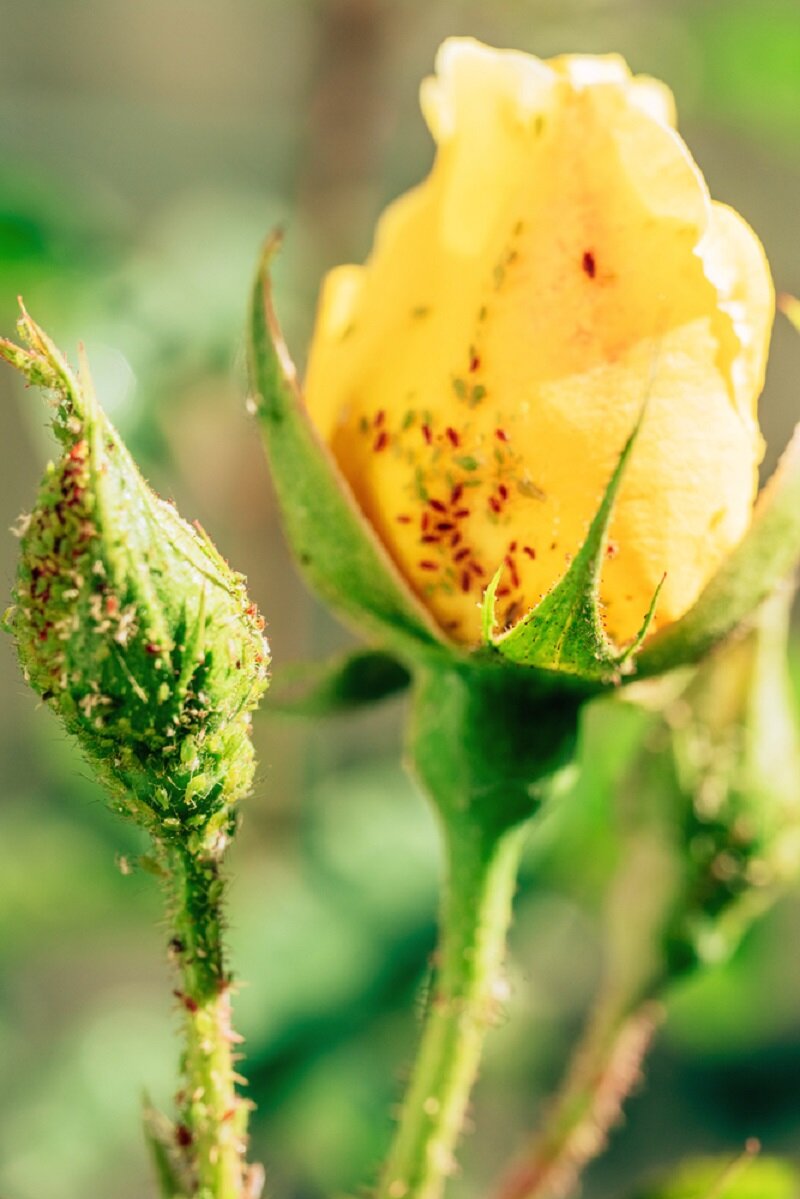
477	378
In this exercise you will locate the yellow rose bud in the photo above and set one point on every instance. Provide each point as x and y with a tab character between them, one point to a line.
477	378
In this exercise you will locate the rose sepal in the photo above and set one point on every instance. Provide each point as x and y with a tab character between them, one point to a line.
564	633
336	548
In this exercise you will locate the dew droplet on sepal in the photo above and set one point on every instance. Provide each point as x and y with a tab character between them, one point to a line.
130	624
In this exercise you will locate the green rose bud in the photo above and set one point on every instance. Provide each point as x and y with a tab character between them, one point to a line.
736	764
131	626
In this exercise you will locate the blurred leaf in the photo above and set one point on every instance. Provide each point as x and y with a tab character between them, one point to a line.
159	1133
325	688
718	1178
751	57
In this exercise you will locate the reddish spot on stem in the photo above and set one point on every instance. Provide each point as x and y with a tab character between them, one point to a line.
187	1001
183	1136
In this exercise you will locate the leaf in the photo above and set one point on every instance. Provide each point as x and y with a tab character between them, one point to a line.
339	552
172	1178
324	689
743	1177
564	632
767	554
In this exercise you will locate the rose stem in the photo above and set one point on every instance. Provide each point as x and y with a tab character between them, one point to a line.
476	913
605	1068
213	1118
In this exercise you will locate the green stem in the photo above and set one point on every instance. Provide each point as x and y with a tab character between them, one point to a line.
213	1119
604	1069
476	913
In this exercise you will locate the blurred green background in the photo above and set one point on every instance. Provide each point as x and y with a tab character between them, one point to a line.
145	149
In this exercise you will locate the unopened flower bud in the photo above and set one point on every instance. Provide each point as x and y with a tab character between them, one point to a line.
130	624
735	756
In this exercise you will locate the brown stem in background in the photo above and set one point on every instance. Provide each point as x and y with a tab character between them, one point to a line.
345	118
606	1068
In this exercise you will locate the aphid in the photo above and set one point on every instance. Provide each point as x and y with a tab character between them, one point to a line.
187	1001
183	1136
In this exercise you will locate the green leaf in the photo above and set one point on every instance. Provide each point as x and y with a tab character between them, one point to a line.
766	555
717	1178
172	1177
323	689
342	557
564	632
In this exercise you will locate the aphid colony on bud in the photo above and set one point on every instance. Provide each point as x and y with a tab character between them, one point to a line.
132	627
